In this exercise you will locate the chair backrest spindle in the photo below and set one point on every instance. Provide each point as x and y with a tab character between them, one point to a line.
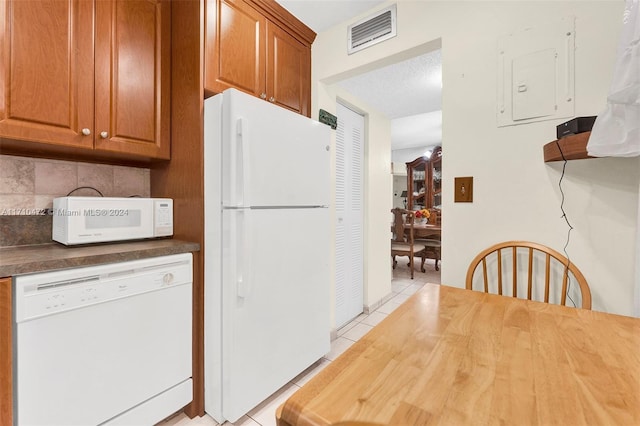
547	278
500	272
530	281
484	273
565	276
515	273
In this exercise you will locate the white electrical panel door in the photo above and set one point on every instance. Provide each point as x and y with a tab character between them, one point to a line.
534	85
536	74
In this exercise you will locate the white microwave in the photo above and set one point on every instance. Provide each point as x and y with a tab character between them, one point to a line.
84	220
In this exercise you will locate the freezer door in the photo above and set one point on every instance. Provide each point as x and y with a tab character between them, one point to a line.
275	301
272	156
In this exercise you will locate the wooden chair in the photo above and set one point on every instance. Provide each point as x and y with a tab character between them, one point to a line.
432	243
402	244
543	266
435	217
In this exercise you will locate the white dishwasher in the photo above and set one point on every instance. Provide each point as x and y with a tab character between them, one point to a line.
104	345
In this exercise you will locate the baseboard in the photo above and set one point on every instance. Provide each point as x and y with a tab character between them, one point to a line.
372	307
366	309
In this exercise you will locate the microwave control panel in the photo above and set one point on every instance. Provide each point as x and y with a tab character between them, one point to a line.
163	214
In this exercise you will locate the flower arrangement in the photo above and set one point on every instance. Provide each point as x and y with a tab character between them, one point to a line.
422	214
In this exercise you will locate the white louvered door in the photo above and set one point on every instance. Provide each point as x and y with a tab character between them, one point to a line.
349	215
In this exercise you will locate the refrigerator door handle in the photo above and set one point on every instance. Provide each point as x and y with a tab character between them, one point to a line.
243	163
243	254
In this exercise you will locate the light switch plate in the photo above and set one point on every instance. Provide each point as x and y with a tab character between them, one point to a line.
463	189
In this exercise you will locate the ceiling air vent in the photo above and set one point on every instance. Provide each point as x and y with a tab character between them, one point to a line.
372	30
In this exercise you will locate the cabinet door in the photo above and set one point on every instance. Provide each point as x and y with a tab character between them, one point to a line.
234	47
417	183
288	71
132	77
46	71
435	198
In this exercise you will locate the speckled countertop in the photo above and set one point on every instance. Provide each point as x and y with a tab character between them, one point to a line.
15	260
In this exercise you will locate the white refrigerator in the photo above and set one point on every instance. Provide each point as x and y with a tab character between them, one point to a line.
266	249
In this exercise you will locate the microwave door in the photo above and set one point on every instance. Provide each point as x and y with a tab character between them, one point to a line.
119	223
94	220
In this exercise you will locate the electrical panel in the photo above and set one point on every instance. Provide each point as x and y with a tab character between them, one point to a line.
536	73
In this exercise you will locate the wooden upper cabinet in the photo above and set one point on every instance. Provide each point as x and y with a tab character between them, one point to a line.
85	78
235	48
132	77
288	71
258	47
46	68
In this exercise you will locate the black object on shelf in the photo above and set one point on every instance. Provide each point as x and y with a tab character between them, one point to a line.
575	126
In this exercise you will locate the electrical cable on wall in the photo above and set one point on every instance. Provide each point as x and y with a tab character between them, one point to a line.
564	216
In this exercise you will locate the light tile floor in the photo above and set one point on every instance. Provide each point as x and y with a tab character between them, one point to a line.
402	287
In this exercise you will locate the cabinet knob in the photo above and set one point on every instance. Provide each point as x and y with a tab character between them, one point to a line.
272	99
104	135
263	96
86	131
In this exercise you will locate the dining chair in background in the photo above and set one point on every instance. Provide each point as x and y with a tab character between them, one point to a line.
537	272
402	243
432	242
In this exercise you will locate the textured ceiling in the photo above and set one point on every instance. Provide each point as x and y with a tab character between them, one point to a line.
420	130
402	89
409	93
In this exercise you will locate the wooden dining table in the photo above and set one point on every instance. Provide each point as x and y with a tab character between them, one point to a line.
422	230
449	356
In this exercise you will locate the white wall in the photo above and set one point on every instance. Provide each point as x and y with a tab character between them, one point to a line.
409	154
515	193
399	185
398	168
399	172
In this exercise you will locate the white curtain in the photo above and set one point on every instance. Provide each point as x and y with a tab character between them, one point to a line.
616	132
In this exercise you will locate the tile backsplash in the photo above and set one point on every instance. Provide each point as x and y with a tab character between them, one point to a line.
29	185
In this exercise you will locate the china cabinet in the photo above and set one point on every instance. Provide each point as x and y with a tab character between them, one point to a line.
424	182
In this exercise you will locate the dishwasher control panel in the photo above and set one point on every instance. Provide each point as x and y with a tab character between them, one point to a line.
48	293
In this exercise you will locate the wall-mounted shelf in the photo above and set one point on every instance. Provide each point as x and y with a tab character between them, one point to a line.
573	147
